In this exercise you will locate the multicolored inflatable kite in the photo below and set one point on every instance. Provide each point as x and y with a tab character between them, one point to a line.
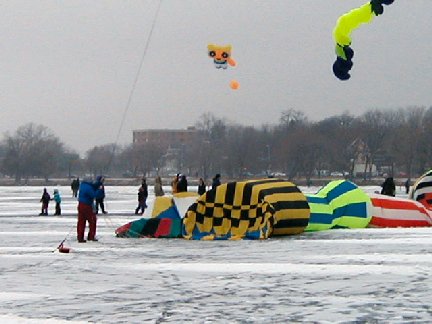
342	34
221	56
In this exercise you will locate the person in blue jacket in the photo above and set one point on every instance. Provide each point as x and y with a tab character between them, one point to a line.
57	200
88	192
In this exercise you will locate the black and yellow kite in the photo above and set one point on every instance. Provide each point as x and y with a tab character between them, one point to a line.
254	209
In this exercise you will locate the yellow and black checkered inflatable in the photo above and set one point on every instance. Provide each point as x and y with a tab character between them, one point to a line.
253	209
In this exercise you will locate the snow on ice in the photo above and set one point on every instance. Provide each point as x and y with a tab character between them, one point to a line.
336	276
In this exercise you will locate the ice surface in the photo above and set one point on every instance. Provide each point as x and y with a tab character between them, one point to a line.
335	276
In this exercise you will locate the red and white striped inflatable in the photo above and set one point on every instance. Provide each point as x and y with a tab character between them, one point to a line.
398	212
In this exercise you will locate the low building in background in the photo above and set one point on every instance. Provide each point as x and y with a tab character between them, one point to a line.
166	138
174	144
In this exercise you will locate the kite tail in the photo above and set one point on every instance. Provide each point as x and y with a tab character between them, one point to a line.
377	6
342	34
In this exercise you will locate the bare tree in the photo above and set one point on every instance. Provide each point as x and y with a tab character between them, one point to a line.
200	155
126	161
336	133
286	140
243	153
146	157
32	151
377	127
405	142
214	131
292	118
423	157
99	159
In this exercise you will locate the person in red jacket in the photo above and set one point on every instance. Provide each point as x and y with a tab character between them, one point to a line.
88	192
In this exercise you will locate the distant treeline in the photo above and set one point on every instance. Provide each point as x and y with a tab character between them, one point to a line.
397	142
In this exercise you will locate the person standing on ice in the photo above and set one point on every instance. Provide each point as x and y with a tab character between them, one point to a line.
201	187
100	195
88	192
158	189
407	185
57	200
182	185
388	187
45	202
142	197
174	183
75	186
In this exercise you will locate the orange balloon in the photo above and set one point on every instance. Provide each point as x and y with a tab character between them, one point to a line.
234	84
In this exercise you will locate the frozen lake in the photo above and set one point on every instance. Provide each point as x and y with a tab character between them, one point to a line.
336	276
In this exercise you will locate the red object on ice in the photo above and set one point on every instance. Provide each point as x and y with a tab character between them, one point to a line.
64	250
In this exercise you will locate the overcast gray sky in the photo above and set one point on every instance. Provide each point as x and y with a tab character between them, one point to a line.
70	65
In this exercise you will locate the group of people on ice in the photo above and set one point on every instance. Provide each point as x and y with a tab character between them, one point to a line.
46	198
91	195
178	184
75	186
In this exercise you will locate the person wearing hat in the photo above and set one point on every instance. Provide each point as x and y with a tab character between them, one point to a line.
101	195
88	192
57	200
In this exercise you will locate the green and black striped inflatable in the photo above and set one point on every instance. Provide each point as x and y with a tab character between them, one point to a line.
339	204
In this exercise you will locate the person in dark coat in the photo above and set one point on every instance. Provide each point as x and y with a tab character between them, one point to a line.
45	202
75	186
88	192
142	197
216	181
100	195
182	185
201	187
388	187
407	185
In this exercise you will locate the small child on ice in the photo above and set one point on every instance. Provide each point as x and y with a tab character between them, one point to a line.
57	200
45	201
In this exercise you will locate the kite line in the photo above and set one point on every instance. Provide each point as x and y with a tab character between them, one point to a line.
135	81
